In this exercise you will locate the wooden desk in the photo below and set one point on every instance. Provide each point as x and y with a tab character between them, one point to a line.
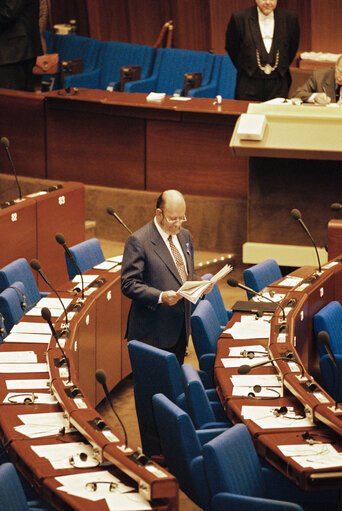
144	145
301	391
92	341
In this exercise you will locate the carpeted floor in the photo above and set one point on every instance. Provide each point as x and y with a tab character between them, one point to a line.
122	396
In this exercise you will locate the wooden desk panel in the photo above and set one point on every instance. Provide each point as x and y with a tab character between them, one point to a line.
62	211
18	227
22	121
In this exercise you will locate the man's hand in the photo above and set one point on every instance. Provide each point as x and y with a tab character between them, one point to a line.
170	297
321	98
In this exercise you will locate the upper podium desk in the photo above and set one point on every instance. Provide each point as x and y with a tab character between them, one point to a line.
123	140
294	131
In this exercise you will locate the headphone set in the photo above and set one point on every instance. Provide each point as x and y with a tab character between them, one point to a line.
282	411
258	388
23	303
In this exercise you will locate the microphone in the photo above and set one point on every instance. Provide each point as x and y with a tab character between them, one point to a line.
111	211
46	315
296	214
35	265
235	283
61	240
245	369
101	377
335	206
5	143
324	339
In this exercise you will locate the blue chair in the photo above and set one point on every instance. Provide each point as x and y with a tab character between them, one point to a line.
74	47
222	82
20	271
154	370
182	447
215	298
205	332
12	305
12	496
112	56
238	482
261	275
87	254
205	414
329	319
169	69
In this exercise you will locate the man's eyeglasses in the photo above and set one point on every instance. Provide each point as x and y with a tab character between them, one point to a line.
180	219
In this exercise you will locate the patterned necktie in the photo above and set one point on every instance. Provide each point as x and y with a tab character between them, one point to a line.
179	260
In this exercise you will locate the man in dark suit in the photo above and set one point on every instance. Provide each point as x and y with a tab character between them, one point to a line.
19	43
152	272
323	86
262	41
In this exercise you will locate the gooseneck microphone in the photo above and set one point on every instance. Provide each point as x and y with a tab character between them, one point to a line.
246	368
5	143
335	206
296	214
35	265
324	339
235	283
46	315
101	378
61	240
111	211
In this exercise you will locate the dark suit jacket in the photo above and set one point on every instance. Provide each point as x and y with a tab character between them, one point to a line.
147	270
243	36
321	80
19	31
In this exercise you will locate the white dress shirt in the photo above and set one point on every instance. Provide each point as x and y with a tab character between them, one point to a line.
266	24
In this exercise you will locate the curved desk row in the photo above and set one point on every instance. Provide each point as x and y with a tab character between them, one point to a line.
93	341
301	415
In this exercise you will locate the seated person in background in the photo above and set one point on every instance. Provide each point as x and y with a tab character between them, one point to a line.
323	86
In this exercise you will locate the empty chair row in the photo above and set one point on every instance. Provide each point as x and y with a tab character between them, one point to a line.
160	70
224	473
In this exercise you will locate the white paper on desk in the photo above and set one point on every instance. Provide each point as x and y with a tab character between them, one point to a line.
314	456
76	484
237	362
53	303
105	265
264	417
275	297
29	327
37	311
127	502
28	384
179	98
115	269
255	330
43	424
249	380
264	392
40	398
115	259
289	281
24	368
28	338
87	279
16	357
306	449
235	351
59	455
302	286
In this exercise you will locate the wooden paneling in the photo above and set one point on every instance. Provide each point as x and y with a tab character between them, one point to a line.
196	157
326	25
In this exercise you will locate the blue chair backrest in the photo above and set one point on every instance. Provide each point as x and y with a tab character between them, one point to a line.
205	328
154	370
171	65
197	400
87	254
329	318
261	275
19	270
232	464
114	55
12	496
227	78
215	298
181	448
11	305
